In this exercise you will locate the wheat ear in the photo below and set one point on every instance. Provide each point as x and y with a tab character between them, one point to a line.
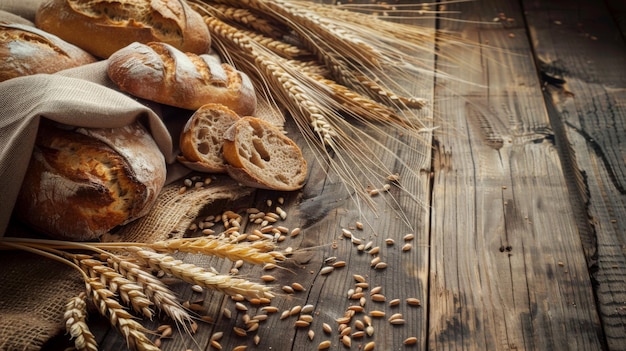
134	332
214	247
250	20
155	290
200	276
75	324
129	292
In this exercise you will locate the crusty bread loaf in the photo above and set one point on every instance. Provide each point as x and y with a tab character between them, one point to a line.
202	138
82	183
104	26
162	73
26	50
260	155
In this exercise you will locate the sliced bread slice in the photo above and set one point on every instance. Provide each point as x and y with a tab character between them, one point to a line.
202	139
259	155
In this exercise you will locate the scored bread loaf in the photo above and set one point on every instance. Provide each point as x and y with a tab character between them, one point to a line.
26	50
202	138
82	183
102	27
162	73
259	155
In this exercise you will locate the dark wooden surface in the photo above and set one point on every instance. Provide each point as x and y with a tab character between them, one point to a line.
520	243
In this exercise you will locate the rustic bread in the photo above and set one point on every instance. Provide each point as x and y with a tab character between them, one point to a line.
259	155
103	26
162	73
82	183
202	138
26	50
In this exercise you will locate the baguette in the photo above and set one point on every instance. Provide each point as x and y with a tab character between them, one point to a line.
201	140
259	155
26	50
102	27
82	183
162	73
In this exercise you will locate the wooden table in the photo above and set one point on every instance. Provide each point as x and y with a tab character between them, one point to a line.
519	242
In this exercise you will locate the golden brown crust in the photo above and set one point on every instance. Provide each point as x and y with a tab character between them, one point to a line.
202	138
26	50
162	73
81	184
260	155
104	26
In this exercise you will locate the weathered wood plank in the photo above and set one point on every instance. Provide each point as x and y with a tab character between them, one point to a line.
507	268
588	101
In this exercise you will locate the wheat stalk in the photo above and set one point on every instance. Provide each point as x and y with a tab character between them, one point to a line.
197	275
75	324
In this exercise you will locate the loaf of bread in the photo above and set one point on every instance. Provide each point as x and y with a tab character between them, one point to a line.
259	155
82	183
26	50
202	138
162	73
102	27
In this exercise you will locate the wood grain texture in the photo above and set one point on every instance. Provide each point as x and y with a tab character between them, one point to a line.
507	268
581	52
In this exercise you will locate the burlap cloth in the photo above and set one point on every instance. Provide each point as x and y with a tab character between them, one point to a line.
34	290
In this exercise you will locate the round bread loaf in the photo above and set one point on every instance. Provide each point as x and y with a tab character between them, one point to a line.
82	183
259	155
162	73
104	26
26	50
202	138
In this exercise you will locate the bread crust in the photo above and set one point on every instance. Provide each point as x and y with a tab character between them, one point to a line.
82	183
26	50
202	138
162	73
102	27
259	155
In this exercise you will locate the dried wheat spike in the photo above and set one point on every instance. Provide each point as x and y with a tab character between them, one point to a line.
280	48
247	252
129	292
248	19
307	22
75	324
162	297
133	332
198	275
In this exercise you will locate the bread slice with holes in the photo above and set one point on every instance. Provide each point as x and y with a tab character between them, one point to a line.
201	140
260	155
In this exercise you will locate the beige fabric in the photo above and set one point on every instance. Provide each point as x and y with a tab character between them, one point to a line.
22	8
73	101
